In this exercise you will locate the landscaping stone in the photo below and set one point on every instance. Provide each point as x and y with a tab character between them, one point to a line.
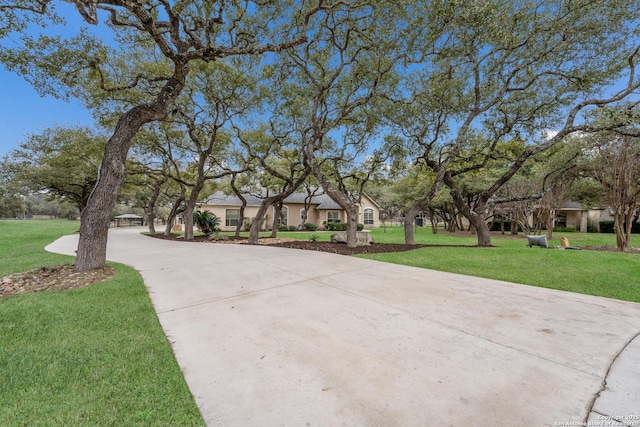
363	238
537	241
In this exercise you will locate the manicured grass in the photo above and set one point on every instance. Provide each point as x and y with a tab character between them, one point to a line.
91	356
22	243
608	274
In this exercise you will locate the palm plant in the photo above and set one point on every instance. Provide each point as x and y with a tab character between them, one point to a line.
206	221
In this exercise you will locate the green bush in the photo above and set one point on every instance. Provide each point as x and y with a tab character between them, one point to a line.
607	227
495	226
564	230
292	228
360	227
337	226
206	221
310	227
282	228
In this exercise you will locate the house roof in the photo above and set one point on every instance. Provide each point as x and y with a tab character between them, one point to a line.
128	216
571	205
322	201
221	199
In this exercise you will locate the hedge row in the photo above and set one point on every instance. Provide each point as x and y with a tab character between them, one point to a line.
607	227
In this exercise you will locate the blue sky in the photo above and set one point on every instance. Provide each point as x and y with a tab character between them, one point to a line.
24	112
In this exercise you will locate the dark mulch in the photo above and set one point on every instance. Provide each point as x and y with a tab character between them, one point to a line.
342	249
334	248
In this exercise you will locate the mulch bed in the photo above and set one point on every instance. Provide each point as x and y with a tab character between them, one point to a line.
342	249
334	248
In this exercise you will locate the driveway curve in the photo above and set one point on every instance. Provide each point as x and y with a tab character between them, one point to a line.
281	337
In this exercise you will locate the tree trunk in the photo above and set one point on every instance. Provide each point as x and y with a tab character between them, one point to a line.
276	218
476	220
94	219
190	206
352	228
409	220
550	223
254	231
172	215
481	228
514	227
150	219
188	221
151	207
622	239
241	218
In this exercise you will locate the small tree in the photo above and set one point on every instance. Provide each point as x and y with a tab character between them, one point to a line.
616	167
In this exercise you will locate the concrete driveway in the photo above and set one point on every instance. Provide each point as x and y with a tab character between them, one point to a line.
280	337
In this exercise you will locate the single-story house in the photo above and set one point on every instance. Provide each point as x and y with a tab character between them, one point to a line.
320	210
574	215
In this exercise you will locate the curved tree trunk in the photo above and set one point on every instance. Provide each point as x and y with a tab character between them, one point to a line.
475	217
94	219
481	228
409	221
254	231
175	209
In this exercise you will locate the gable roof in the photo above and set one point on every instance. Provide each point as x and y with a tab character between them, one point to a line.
322	201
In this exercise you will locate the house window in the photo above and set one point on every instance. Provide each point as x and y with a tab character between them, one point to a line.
561	220
368	216
333	216
232	217
284	216
303	216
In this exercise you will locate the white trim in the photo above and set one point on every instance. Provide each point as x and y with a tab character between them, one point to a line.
364	216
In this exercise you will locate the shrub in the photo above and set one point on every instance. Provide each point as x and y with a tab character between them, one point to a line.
206	221
592	227
313	238
310	227
607	227
564	230
292	228
495	226
360	227
337	226
282	228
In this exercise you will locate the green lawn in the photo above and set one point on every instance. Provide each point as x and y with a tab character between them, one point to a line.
608	274
91	356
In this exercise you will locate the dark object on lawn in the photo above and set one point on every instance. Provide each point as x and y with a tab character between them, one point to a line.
538	241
